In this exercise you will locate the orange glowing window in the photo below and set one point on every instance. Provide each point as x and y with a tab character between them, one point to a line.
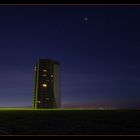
44	70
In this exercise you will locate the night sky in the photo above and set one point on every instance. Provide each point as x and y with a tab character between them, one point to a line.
98	48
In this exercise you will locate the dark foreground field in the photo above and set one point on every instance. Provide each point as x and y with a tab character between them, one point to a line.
69	122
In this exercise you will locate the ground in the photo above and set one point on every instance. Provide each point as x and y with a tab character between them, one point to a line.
69	122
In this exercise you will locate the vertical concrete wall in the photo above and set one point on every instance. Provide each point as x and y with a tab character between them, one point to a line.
57	85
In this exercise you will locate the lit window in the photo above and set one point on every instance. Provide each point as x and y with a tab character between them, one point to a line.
47	98
51	75
38	101
44	70
44	85
44	75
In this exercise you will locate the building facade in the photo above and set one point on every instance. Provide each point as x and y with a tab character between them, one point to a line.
47	84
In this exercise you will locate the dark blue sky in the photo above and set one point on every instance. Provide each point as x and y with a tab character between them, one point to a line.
100	56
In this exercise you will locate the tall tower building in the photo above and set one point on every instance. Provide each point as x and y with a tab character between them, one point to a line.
47	84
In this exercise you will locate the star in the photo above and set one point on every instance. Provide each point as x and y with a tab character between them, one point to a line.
85	18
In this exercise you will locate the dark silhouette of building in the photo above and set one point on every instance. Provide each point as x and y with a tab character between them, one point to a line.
47	84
